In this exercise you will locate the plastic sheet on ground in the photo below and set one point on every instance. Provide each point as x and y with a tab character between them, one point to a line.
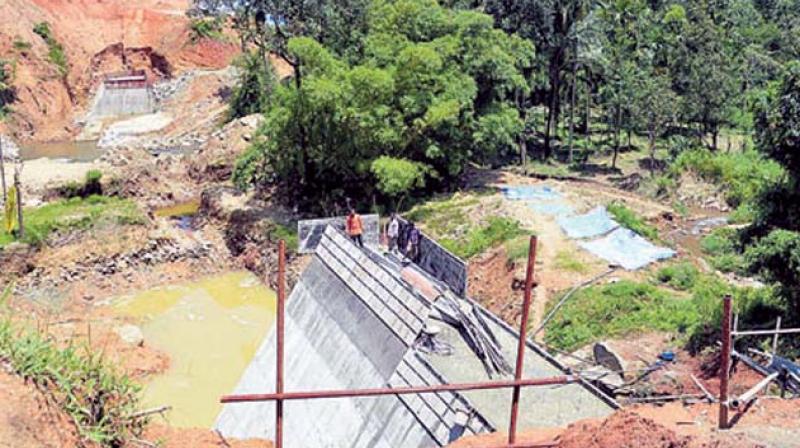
627	249
554	208
594	223
527	192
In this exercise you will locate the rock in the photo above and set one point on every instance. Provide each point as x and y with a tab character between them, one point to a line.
130	334
608	358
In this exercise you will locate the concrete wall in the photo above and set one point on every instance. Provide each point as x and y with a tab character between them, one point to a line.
438	262
120	102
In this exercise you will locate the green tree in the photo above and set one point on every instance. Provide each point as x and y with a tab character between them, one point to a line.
254	87
398	177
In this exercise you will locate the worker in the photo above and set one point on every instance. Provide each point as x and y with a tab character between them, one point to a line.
355	227
393	232
412	238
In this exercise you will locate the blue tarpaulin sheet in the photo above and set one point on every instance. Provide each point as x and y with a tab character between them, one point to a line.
527	192
627	249
553	208
594	223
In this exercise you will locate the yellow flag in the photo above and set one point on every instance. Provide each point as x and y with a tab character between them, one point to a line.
10	217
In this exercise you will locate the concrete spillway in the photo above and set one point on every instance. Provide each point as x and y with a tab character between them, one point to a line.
114	102
353	321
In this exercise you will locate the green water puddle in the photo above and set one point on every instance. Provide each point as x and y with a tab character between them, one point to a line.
183	209
211	330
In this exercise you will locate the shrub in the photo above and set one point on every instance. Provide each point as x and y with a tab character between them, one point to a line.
628	218
724	249
56	52
681	276
205	28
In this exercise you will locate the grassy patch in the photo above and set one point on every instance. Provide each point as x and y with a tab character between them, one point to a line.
478	239
741	174
627	307
722	248
628	218
567	261
74	214
517	248
288	234
681	276
443	217
615	310
98	399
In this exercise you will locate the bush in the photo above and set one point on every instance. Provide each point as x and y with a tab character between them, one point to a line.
90	186
205	28
56	52
681	276
776	258
628	218
743	175
724	249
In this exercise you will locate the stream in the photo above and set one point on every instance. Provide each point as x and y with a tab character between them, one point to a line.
211	330
84	151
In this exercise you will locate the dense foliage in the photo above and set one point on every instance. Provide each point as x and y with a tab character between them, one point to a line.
430	91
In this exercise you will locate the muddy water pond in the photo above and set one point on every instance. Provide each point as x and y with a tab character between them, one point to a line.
211	330
84	151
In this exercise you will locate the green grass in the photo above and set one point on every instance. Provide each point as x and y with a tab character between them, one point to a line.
517	248
288	234
616	310
445	216
681	276
55	52
567	261
628	218
206	28
742	175
97	398
626	307
74	214
723	251
478	239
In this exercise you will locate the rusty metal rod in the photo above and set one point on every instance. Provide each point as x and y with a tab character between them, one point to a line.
305	395
523	339
725	362
280	342
746	397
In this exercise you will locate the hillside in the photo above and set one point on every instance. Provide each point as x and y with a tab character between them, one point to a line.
97	37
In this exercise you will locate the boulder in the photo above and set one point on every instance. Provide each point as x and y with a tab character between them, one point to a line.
130	334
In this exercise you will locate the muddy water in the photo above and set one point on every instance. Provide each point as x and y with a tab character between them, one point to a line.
180	210
72	150
211	330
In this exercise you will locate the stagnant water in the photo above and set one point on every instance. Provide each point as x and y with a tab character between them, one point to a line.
211	330
77	151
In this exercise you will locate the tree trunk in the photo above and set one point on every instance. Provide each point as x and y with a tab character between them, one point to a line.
587	130
572	109
18	186
617	126
630	141
651	142
3	173
715	138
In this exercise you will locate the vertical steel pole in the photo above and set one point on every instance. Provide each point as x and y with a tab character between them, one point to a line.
725	363
279	351
523	338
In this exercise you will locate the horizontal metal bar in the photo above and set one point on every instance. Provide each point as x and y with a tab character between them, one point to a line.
547	381
765	332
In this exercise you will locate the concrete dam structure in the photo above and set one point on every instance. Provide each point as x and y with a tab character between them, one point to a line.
123	94
360	319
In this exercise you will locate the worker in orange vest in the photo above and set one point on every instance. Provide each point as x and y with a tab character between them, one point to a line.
355	227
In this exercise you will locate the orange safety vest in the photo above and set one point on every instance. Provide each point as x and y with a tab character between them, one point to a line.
354	226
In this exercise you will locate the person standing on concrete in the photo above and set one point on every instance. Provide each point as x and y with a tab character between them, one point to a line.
355	227
413	237
393	232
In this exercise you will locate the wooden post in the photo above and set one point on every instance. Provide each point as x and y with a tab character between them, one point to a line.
279	341
775	337
18	187
725	362
3	172
523	339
